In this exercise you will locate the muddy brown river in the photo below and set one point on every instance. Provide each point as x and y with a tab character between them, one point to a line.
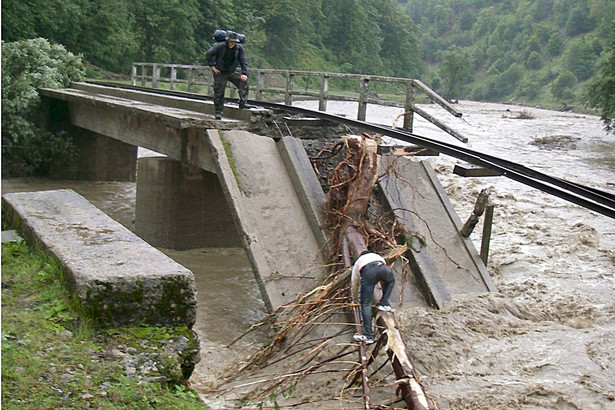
546	340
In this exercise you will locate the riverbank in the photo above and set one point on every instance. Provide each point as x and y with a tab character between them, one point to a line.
52	358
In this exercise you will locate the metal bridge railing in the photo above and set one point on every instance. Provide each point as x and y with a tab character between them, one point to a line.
282	82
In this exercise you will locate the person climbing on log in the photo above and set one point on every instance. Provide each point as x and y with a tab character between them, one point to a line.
371	268
223	58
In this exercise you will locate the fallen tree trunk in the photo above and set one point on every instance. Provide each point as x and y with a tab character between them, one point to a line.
407	379
351	187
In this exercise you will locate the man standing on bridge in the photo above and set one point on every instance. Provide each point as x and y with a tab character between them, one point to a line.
223	58
371	268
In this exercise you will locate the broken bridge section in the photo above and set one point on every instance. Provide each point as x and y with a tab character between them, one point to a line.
446	265
279	239
214	174
263	189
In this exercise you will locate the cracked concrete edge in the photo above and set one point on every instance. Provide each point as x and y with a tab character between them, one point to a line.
308	189
232	192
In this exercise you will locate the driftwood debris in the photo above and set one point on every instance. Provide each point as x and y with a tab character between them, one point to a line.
479	208
407	379
313	334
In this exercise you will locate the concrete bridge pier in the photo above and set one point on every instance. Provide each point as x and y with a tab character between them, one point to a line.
179	206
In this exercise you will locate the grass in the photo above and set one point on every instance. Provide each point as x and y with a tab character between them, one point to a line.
52	358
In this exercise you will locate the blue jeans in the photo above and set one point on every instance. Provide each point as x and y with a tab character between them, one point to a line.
371	274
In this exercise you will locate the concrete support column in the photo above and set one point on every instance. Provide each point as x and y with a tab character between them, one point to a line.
181	207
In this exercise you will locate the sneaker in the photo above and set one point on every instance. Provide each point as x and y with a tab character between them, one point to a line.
246	106
218	116
386	308
363	338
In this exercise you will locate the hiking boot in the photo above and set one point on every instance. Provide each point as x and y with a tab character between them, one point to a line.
218	116
363	338
386	308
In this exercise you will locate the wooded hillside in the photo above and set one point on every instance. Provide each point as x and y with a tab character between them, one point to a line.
532	51
521	50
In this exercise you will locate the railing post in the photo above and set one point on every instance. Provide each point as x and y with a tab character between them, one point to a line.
409	106
144	75
363	98
324	90
173	77
210	82
288	97
190	79
155	76
260	82
486	239
133	75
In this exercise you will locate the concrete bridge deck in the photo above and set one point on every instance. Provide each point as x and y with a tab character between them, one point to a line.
272	200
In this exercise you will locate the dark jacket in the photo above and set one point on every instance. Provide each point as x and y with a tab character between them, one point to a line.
215	57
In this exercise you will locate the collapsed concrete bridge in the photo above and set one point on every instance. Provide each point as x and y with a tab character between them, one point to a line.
220	184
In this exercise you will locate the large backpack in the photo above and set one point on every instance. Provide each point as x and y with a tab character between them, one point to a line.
220	35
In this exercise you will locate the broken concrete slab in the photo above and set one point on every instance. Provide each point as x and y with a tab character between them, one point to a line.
447	265
118	278
276	233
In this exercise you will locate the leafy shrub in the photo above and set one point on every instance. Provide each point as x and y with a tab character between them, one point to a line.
563	85
601	92
534	61
580	59
26	66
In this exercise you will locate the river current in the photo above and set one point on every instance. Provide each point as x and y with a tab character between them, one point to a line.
545	340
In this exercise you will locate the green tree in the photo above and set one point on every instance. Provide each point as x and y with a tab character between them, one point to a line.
214	15
101	31
508	81
529	88
18	21
282	25
165	30
454	69
355	44
579	20
534	61
467	19
555	44
105	35
602	87
399	50
580	59
541	9
26	66
563	84
486	22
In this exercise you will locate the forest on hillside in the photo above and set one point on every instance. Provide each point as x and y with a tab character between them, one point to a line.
526	51
359	36
520	50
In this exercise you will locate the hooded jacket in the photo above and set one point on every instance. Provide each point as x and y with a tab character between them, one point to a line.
215	57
